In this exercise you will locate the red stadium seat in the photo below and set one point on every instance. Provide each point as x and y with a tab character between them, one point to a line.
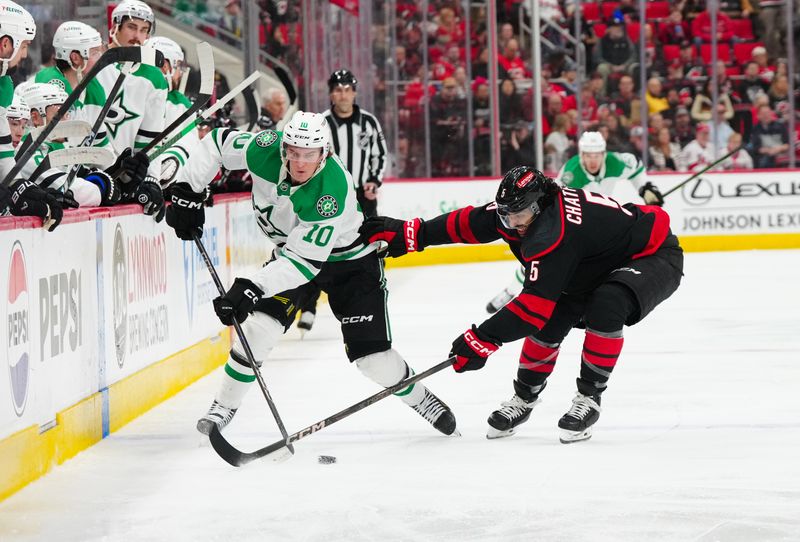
742	52
591	11
599	29
723	52
633	30
671	52
743	28
656	10
608	9
733	71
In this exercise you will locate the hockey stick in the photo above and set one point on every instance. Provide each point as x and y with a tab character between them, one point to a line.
246	345
238	458
697	174
65	129
219	104
116	54
100	157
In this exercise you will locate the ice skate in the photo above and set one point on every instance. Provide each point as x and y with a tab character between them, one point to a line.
504	421
306	322
576	424
437	413
499	301
217	415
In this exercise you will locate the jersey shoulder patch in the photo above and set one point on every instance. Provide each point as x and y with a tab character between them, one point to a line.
324	196
546	234
264	160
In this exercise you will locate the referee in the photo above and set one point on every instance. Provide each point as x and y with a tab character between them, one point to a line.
357	139
358	142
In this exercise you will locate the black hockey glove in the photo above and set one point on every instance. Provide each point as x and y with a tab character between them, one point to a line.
401	236
66	199
471	350
110	191
186	215
238	302
148	195
29	199
651	195
130	168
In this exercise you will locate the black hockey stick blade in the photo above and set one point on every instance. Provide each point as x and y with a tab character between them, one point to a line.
237	458
697	174
116	54
286	81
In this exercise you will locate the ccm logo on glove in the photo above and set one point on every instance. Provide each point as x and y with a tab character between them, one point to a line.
412	227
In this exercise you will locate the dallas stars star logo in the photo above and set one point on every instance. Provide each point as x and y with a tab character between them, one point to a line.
265	221
121	115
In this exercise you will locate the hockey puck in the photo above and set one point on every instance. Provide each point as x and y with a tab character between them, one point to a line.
326	459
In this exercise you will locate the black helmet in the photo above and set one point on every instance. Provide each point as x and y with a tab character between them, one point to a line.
524	188
342	77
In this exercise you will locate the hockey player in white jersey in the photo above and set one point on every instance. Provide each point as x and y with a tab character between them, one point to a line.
22	197
177	104
19	116
91	188
137	116
77	47
304	201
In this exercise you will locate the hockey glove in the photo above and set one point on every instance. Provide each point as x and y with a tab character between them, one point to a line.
65	199
130	168
110	192
186	215
149	195
29	199
238	302
401	236
651	195
471	350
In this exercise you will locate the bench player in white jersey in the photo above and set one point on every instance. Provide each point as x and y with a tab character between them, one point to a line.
21	198
137	115
305	202
77	47
177	104
90	188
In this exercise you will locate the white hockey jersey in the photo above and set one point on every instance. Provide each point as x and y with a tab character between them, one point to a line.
311	224
175	157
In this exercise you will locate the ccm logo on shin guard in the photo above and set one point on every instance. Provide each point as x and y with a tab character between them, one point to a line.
412	226
356	319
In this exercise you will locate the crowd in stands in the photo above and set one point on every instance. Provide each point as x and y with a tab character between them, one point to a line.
439	49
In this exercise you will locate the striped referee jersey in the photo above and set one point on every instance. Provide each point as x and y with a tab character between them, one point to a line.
359	143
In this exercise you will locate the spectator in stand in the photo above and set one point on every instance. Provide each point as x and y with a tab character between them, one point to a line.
636	140
557	144
447	23
751	84
273	108
772	25
505	35
702	31
448	119
682	129
656	101
588	112
517	149
779	94
769	138
674	30
480	68
740	159
765	70
722	130
615	54
625	102
701	107
510	64
699	152
617	137
736	8
231	22
664	152
481	125
692	63
555	106
510	105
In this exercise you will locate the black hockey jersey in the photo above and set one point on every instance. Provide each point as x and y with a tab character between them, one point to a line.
570	248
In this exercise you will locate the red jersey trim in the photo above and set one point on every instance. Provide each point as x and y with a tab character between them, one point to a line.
466	231
658	233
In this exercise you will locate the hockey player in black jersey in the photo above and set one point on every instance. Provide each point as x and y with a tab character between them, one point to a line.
589	262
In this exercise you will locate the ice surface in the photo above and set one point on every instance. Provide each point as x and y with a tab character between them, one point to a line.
699	438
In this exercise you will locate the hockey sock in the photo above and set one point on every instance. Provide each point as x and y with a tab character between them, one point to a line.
536	363
600	354
236	380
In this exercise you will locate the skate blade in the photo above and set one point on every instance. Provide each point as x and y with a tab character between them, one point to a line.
568	437
493	433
